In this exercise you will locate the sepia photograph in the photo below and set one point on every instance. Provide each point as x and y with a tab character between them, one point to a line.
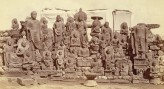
81	44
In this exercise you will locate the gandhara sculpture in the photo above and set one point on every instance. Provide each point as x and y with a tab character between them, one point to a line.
23	46
47	61
80	20
140	35
58	29
33	25
28	62
8	51
15	25
94	45
84	51
47	34
161	61
107	32
65	53
155	73
96	65
116	39
96	24
80	15
75	41
60	60
23	29
70	25
124	31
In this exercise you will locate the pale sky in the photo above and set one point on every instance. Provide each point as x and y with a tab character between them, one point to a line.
146	11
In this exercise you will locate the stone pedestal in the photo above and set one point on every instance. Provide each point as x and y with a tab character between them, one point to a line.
25	81
155	80
41	81
90	82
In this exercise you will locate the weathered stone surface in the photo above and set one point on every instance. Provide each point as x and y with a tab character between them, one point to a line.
25	81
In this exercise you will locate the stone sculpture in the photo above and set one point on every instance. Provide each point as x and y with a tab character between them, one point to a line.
161	61
23	46
47	34
84	51
47	60
116	40
124	31
15	25
58	29
75	43
94	45
80	20
96	26
155	73
33	25
140	35
60	60
96	66
65	53
107	32
70	25
80	15
8	51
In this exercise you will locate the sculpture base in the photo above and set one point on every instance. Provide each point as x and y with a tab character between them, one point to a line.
90	83
25	81
155	81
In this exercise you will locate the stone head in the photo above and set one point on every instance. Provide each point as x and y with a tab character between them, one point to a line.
58	18
23	23
70	19
75	35
61	44
94	59
124	25
106	24
24	34
115	36
80	10
14	21
94	39
28	54
122	40
102	37
23	43
84	44
60	53
160	53
69	61
43	20
98	56
78	26
34	15
108	51
72	51
154	64
9	42
47	54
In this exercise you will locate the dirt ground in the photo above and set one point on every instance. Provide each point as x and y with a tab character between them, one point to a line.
6	84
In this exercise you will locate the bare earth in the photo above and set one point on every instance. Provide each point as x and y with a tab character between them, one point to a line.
5	84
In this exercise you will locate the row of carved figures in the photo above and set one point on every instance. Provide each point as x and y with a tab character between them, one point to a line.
67	48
